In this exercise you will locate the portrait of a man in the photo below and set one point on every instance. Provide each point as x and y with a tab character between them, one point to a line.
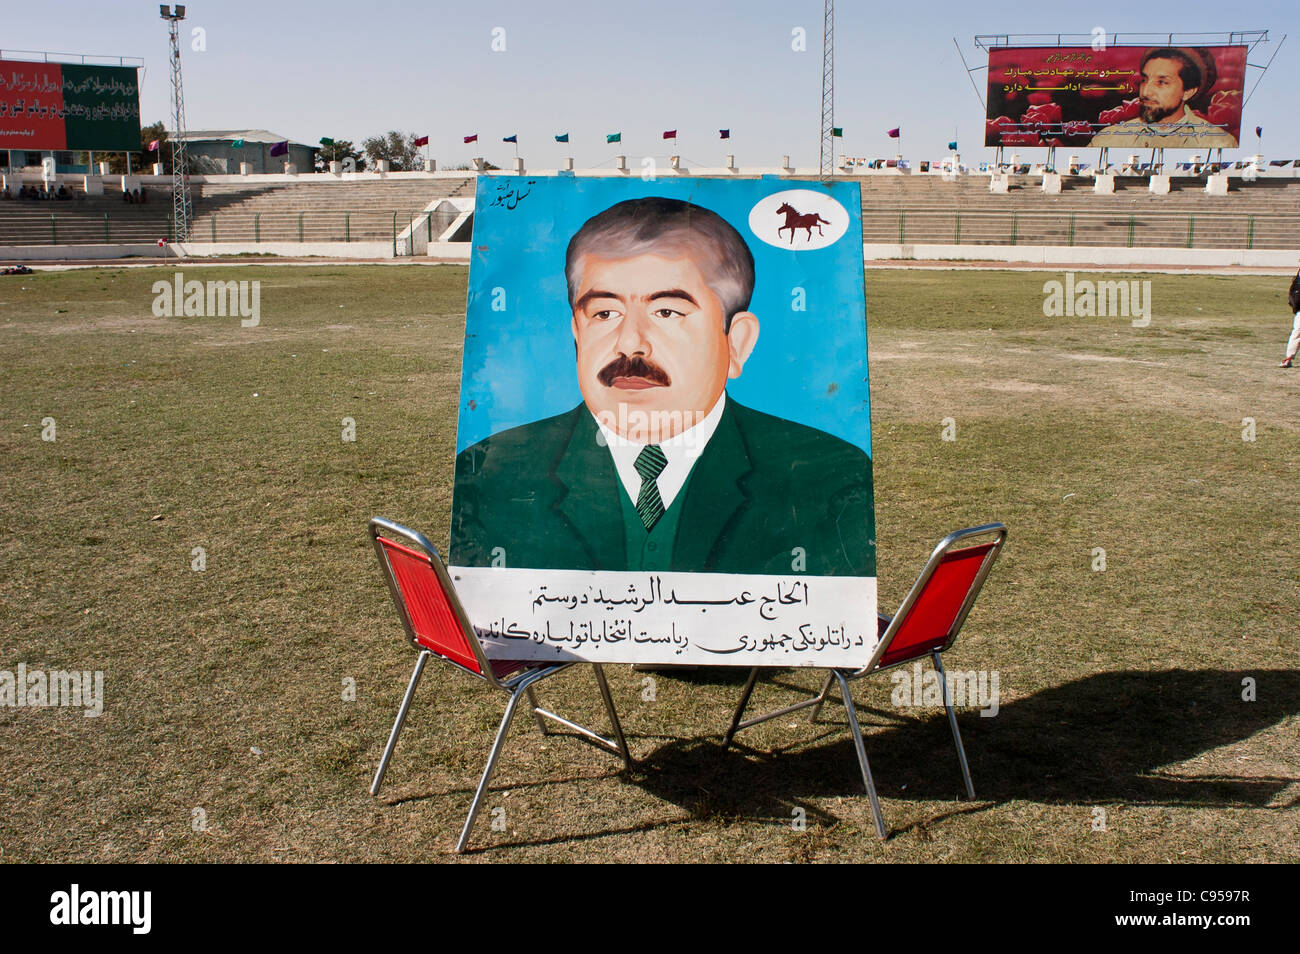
1175	81
659	468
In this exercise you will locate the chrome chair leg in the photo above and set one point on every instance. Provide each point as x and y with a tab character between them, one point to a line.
401	718
862	753
952	722
519	693
821	696
537	716
740	708
613	715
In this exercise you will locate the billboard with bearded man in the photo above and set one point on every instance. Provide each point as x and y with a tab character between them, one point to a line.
1137	97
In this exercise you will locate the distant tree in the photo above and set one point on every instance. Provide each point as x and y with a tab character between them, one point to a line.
340	150
141	161
397	147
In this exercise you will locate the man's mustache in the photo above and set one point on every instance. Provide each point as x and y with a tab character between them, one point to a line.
632	367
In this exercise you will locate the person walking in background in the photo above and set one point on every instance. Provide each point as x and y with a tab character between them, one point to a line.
1293	344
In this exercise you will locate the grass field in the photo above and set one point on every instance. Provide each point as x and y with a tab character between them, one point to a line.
226	736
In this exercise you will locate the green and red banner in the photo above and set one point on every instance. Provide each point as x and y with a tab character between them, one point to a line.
69	106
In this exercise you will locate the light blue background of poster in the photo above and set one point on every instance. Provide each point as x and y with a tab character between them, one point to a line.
808	366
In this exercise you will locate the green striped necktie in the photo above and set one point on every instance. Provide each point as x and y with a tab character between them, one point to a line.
650	463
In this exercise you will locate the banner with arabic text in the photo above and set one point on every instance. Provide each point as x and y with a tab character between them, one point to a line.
664	440
69	106
1177	97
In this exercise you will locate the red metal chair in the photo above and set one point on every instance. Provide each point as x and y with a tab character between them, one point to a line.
436	625
926	624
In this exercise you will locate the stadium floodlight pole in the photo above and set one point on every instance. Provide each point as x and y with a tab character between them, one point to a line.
182	210
827	159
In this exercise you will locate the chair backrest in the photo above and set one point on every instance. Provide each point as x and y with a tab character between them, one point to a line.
932	614
425	597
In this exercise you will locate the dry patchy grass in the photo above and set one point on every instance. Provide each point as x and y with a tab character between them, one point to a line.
1121	689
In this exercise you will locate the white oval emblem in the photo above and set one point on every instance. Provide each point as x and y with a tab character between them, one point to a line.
799	220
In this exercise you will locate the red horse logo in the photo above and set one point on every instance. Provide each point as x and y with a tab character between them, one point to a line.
797	220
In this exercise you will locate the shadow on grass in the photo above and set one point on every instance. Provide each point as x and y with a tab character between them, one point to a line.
1099	739
1103	739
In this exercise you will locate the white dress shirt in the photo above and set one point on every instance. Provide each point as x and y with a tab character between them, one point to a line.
682	451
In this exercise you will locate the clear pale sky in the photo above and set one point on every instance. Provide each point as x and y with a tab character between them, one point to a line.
348	70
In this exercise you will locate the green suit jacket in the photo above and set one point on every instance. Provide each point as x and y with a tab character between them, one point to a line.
767	496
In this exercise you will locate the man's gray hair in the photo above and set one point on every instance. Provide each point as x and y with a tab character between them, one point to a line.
641	226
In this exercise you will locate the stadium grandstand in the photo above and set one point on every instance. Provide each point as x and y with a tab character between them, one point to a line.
325	212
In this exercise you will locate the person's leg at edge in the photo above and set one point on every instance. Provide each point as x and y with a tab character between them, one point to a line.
1293	344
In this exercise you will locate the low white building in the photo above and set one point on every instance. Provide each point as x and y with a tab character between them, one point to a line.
217	151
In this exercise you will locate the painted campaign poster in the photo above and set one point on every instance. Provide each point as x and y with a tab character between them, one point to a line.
69	106
664	437
1138	97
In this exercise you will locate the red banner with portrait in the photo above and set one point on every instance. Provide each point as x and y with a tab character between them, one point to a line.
1176	97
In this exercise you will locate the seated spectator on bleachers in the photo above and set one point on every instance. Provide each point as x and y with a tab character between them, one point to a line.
126	195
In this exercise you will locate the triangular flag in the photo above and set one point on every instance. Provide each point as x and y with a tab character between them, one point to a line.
614	137
893	133
563	137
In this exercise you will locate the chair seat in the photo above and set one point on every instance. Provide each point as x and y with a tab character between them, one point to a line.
504	667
